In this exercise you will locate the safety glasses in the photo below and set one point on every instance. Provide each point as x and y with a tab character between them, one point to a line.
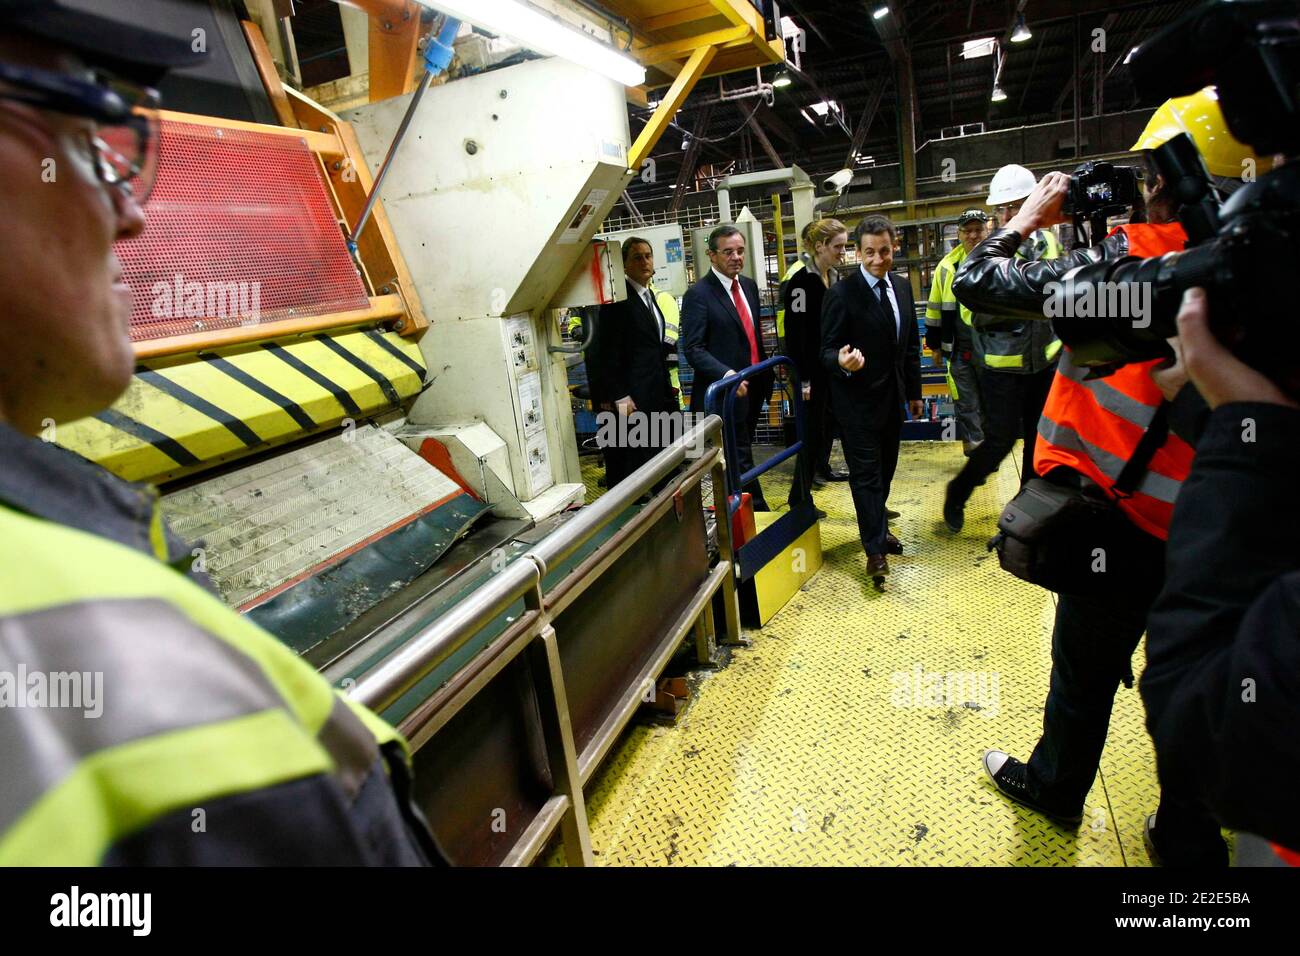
124	146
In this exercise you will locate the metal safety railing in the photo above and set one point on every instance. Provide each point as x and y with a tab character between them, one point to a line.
720	399
532	633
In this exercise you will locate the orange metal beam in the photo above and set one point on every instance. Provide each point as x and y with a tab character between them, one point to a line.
327	144
266	70
351	182
381	308
394	40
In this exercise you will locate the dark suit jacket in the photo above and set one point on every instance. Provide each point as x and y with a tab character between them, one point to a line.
852	315
802	297
627	357
713	338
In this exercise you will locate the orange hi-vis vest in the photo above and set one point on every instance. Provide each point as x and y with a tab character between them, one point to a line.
1094	427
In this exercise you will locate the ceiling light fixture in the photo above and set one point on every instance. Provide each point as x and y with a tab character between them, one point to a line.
782	80
535	30
880	13
998	94
1022	31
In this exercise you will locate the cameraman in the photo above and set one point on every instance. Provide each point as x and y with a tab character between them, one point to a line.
1089	430
1223	652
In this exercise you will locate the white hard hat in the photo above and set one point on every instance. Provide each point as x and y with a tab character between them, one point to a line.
1010	183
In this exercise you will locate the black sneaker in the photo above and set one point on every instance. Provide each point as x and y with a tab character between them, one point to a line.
1011	777
954	511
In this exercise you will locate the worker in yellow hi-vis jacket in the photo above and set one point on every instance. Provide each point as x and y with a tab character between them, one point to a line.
948	330
178	703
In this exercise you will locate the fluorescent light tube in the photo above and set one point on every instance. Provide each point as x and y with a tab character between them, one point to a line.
529	27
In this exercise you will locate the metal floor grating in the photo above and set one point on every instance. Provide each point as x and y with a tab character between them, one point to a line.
815	746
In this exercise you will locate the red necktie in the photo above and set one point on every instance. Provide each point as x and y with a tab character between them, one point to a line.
743	310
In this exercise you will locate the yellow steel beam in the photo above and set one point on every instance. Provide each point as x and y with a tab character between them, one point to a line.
670	104
676	49
701	11
779	221
740	13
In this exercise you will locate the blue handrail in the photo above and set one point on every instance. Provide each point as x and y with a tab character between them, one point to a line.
720	399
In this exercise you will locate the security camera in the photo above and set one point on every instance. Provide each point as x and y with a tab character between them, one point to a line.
839	182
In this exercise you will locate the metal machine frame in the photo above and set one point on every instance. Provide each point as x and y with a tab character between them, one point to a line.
534	640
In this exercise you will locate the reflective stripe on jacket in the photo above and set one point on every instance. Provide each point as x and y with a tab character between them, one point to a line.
1019	345
1094	426
942	304
672	313
145	697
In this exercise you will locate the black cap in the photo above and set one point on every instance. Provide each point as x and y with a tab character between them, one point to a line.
972	215
129	51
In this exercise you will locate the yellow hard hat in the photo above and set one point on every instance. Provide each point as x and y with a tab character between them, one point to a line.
1201	118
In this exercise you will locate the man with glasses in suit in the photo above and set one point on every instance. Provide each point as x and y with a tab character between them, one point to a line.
721	335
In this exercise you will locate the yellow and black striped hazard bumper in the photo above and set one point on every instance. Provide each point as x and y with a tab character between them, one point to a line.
181	416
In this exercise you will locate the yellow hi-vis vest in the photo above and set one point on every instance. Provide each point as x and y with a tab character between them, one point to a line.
667	303
198	703
942	302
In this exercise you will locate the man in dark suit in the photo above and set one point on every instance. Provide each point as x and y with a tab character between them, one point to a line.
721	335
627	370
871	348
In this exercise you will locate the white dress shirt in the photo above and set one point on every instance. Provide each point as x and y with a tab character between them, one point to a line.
726	285
646	295
889	291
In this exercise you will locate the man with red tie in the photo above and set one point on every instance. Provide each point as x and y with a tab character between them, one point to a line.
721	335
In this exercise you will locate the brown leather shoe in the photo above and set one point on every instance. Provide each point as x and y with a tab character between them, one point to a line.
893	545
877	565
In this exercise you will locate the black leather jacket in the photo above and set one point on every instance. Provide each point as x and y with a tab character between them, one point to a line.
992	279
1227	622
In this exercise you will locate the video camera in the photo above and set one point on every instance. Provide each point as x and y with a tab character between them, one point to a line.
1243	252
1097	190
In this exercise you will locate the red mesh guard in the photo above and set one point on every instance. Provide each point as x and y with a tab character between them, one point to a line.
244	220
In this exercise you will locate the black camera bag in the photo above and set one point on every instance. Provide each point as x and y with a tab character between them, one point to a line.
1059	536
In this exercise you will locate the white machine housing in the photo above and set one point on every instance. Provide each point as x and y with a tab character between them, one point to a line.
494	197
670	254
755	255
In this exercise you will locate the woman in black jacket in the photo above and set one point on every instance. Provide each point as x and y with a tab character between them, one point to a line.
802	292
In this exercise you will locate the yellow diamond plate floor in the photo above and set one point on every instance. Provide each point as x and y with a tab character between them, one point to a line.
851	732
